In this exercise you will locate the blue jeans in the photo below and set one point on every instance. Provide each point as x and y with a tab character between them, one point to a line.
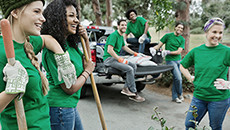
177	79
134	41
216	111
65	119
129	69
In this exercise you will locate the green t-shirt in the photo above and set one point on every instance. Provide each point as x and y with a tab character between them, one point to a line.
137	28
117	41
172	43
210	63
35	103
56	96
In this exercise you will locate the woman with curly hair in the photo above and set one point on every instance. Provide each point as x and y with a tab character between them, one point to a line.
62	24
25	77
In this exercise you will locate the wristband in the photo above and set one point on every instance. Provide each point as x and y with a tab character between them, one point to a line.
84	76
87	72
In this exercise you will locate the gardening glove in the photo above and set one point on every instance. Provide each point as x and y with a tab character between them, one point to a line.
222	84
66	69
142	38
152	51
16	78
138	54
165	52
122	60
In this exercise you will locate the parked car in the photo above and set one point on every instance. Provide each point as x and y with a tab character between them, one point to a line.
107	75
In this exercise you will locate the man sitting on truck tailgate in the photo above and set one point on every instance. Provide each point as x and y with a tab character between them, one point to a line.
112	58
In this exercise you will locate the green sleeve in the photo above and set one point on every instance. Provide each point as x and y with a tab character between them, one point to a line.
164	38
50	66
182	42
142	20
112	40
227	58
188	60
37	43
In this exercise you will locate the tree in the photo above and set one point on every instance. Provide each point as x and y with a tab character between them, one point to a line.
182	15
109	12
97	12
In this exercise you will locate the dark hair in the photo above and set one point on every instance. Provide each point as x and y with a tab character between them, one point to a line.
56	22
119	21
129	11
179	23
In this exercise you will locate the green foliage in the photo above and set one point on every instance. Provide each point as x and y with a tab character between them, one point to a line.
162	14
198	30
156	117
212	9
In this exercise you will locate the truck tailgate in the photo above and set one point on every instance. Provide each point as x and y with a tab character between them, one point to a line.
151	70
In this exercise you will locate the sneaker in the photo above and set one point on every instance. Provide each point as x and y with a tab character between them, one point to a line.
181	97
177	100
126	91
137	98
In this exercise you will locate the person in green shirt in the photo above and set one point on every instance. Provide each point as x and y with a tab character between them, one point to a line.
62	24
25	77
138	26
112	58
211	61
174	44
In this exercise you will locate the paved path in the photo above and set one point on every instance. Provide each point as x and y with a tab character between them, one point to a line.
123	114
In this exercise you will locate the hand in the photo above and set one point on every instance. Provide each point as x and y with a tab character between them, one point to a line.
122	60
16	78
222	84
165	52
82	32
66	69
142	38
89	66
191	79
152	51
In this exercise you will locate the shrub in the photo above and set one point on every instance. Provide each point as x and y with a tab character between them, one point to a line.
197	30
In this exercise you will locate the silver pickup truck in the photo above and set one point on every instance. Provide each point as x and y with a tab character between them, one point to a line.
107	75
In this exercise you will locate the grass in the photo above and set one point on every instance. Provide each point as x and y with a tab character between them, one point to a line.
195	39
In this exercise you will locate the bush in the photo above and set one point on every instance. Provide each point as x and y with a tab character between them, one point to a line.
197	30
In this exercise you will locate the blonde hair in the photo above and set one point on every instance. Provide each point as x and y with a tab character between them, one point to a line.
28	48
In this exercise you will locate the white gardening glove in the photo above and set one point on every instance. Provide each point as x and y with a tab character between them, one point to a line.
66	69
165	52
152	51
122	60
142	38
16	78
222	84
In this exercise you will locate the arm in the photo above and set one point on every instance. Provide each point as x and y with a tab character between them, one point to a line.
80	81
50	43
112	52
125	37
177	52
158	46
186	73
127	49
82	32
146	28
5	100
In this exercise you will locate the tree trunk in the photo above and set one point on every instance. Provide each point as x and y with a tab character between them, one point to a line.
109	12
97	11
79	9
183	16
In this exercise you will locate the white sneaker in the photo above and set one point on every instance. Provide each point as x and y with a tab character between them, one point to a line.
126	91
181	97
177	100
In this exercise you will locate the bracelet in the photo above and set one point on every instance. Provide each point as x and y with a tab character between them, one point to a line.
84	76
87	72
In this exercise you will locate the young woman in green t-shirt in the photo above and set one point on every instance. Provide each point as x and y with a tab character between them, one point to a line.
24	76
62	24
211	61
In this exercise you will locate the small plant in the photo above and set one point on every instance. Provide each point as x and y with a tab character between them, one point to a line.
195	115
156	117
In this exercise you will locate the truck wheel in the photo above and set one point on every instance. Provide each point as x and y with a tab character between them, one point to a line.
140	86
102	39
84	90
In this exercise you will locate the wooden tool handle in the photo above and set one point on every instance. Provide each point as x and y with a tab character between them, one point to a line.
9	49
